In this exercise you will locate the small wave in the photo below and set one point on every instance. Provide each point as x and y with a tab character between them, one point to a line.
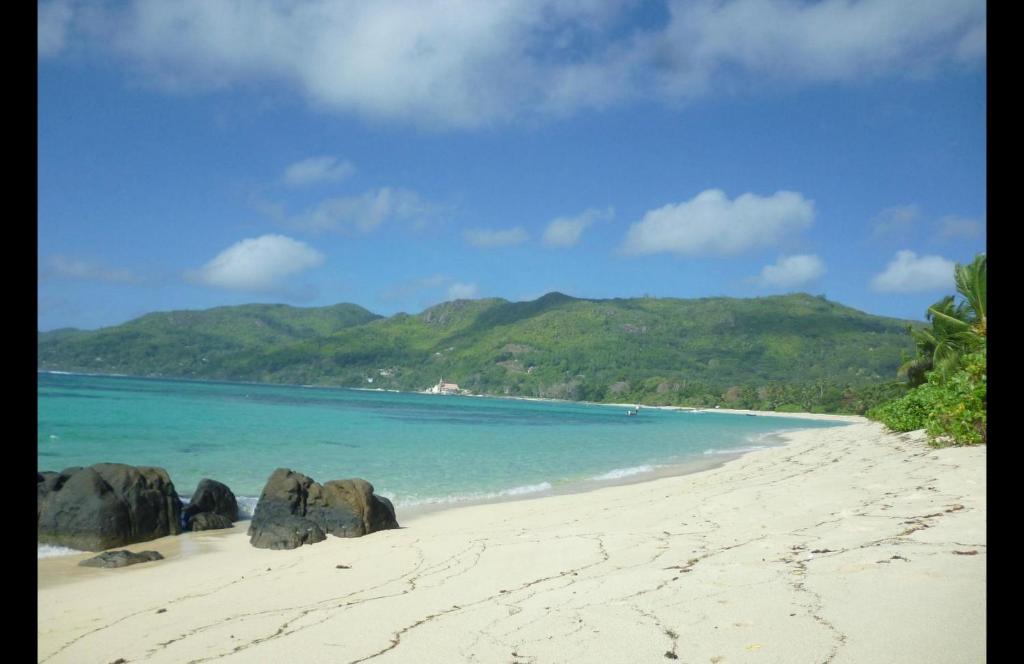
54	551
619	473
246	506
735	450
453	499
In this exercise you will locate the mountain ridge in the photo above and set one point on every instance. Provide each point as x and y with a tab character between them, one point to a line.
650	350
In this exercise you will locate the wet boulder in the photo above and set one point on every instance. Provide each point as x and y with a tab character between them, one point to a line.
294	510
105	505
208	521
121	558
214	498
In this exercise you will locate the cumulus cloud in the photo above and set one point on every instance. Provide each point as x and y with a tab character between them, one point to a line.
566	231
488	239
909	273
895	221
451	63
63	267
955	228
461	291
792	271
711	224
317	170
259	265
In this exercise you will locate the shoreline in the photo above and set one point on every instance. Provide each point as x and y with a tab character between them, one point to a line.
846	544
176	545
64	567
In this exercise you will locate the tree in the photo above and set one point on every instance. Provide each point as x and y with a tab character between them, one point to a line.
957	328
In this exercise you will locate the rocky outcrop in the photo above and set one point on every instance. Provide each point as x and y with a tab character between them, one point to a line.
120	559
212	505
105	505
294	510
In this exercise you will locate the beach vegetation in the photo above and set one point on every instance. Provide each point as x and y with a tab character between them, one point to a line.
948	378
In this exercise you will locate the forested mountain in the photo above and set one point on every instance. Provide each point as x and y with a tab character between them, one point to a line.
793	350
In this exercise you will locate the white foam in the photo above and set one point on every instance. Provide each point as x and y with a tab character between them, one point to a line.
53	551
451	499
246	506
619	473
735	450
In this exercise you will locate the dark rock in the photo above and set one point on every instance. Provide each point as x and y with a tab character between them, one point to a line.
212	496
106	505
208	521
294	510
120	559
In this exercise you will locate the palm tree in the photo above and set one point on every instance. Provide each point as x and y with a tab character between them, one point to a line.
972	314
957	328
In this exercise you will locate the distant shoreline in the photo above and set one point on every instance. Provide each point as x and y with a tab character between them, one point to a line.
698	409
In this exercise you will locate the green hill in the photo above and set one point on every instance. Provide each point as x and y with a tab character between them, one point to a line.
796	351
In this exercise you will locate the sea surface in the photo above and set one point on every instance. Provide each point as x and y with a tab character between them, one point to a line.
419	450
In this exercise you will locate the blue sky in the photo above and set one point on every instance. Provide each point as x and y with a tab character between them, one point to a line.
402	153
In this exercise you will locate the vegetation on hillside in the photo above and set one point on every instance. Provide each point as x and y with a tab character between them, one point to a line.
795	352
949	373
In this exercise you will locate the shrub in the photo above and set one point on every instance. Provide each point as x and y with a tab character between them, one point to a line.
909	412
953	411
960	415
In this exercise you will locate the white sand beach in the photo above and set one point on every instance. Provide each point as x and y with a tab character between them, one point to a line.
846	545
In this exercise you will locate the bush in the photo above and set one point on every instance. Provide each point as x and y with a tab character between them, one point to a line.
908	413
960	415
951	412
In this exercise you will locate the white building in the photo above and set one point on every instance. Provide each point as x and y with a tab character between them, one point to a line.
444	388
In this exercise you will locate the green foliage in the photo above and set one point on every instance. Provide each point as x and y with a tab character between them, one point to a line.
951	411
907	413
960	411
765	353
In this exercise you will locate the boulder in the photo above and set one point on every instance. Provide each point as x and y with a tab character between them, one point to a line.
208	521
214	497
294	510
105	505
120	559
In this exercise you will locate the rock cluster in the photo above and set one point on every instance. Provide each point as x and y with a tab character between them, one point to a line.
110	505
294	510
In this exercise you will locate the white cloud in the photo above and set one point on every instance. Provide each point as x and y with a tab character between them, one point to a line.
908	273
895	221
362	213
53	20
453	63
316	170
952	227
792	271
461	291
488	239
566	231
259	264
62	267
711	224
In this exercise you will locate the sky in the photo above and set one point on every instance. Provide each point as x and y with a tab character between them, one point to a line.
400	153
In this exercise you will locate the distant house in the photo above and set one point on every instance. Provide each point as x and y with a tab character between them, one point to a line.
444	388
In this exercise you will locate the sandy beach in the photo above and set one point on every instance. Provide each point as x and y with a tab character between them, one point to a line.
844	545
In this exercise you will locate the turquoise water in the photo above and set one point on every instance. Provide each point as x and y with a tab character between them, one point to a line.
417	449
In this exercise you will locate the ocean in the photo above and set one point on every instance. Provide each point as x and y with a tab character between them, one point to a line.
420	450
